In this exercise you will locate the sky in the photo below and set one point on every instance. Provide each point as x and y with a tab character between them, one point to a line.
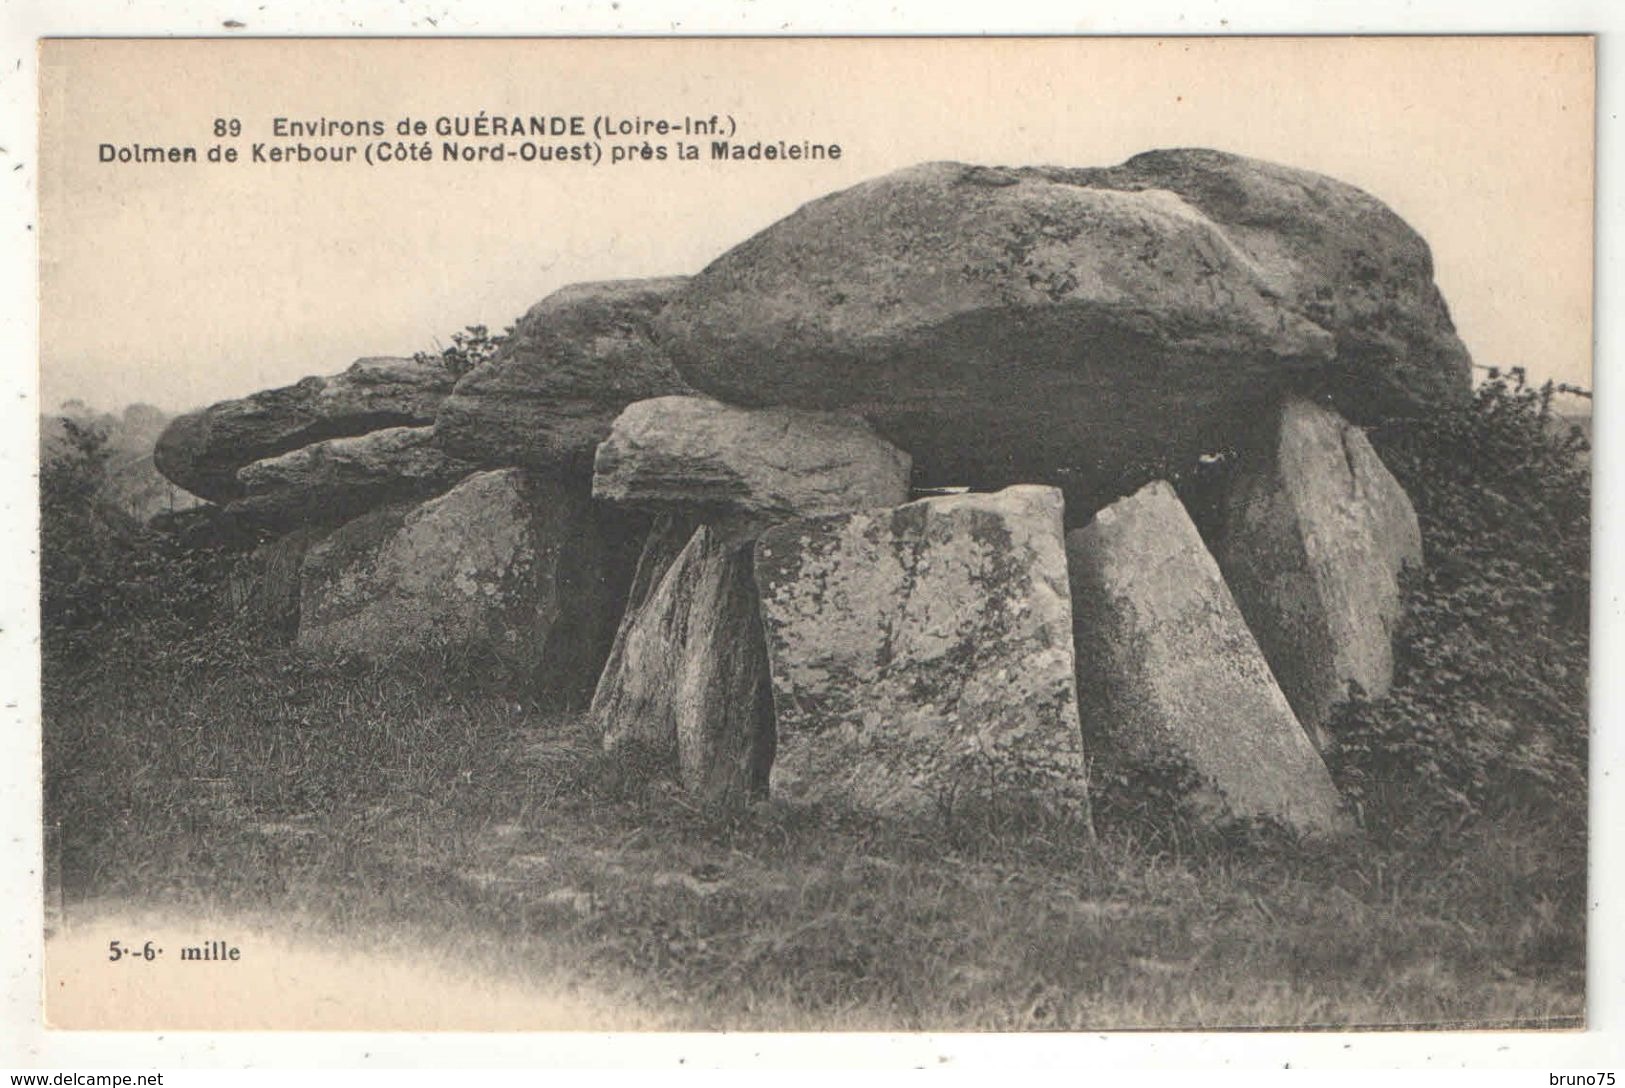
183	284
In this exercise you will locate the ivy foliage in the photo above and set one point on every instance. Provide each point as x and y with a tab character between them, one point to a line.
1489	703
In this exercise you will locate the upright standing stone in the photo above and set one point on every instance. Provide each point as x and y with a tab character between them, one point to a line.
922	656
1168	672
688	681
1315	533
668	535
631	702
501	565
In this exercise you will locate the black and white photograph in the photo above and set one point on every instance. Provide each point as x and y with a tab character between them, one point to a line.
937	534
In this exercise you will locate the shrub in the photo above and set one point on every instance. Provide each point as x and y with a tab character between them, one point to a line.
470	348
78	536
1489	703
106	580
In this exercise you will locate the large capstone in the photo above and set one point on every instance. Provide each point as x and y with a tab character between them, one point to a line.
1313	536
1092	329
1334	254
203	451
559	379
743	467
340	479
687	683
1170	677
922	656
502	566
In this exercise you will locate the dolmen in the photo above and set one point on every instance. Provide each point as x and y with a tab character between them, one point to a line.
889	508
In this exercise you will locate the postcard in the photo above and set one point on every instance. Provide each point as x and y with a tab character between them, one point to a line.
1030	534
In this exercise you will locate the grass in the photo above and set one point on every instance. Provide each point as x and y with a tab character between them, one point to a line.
375	800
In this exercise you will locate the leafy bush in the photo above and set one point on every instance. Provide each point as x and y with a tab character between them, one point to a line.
77	535
106	580
1489	703
470	348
